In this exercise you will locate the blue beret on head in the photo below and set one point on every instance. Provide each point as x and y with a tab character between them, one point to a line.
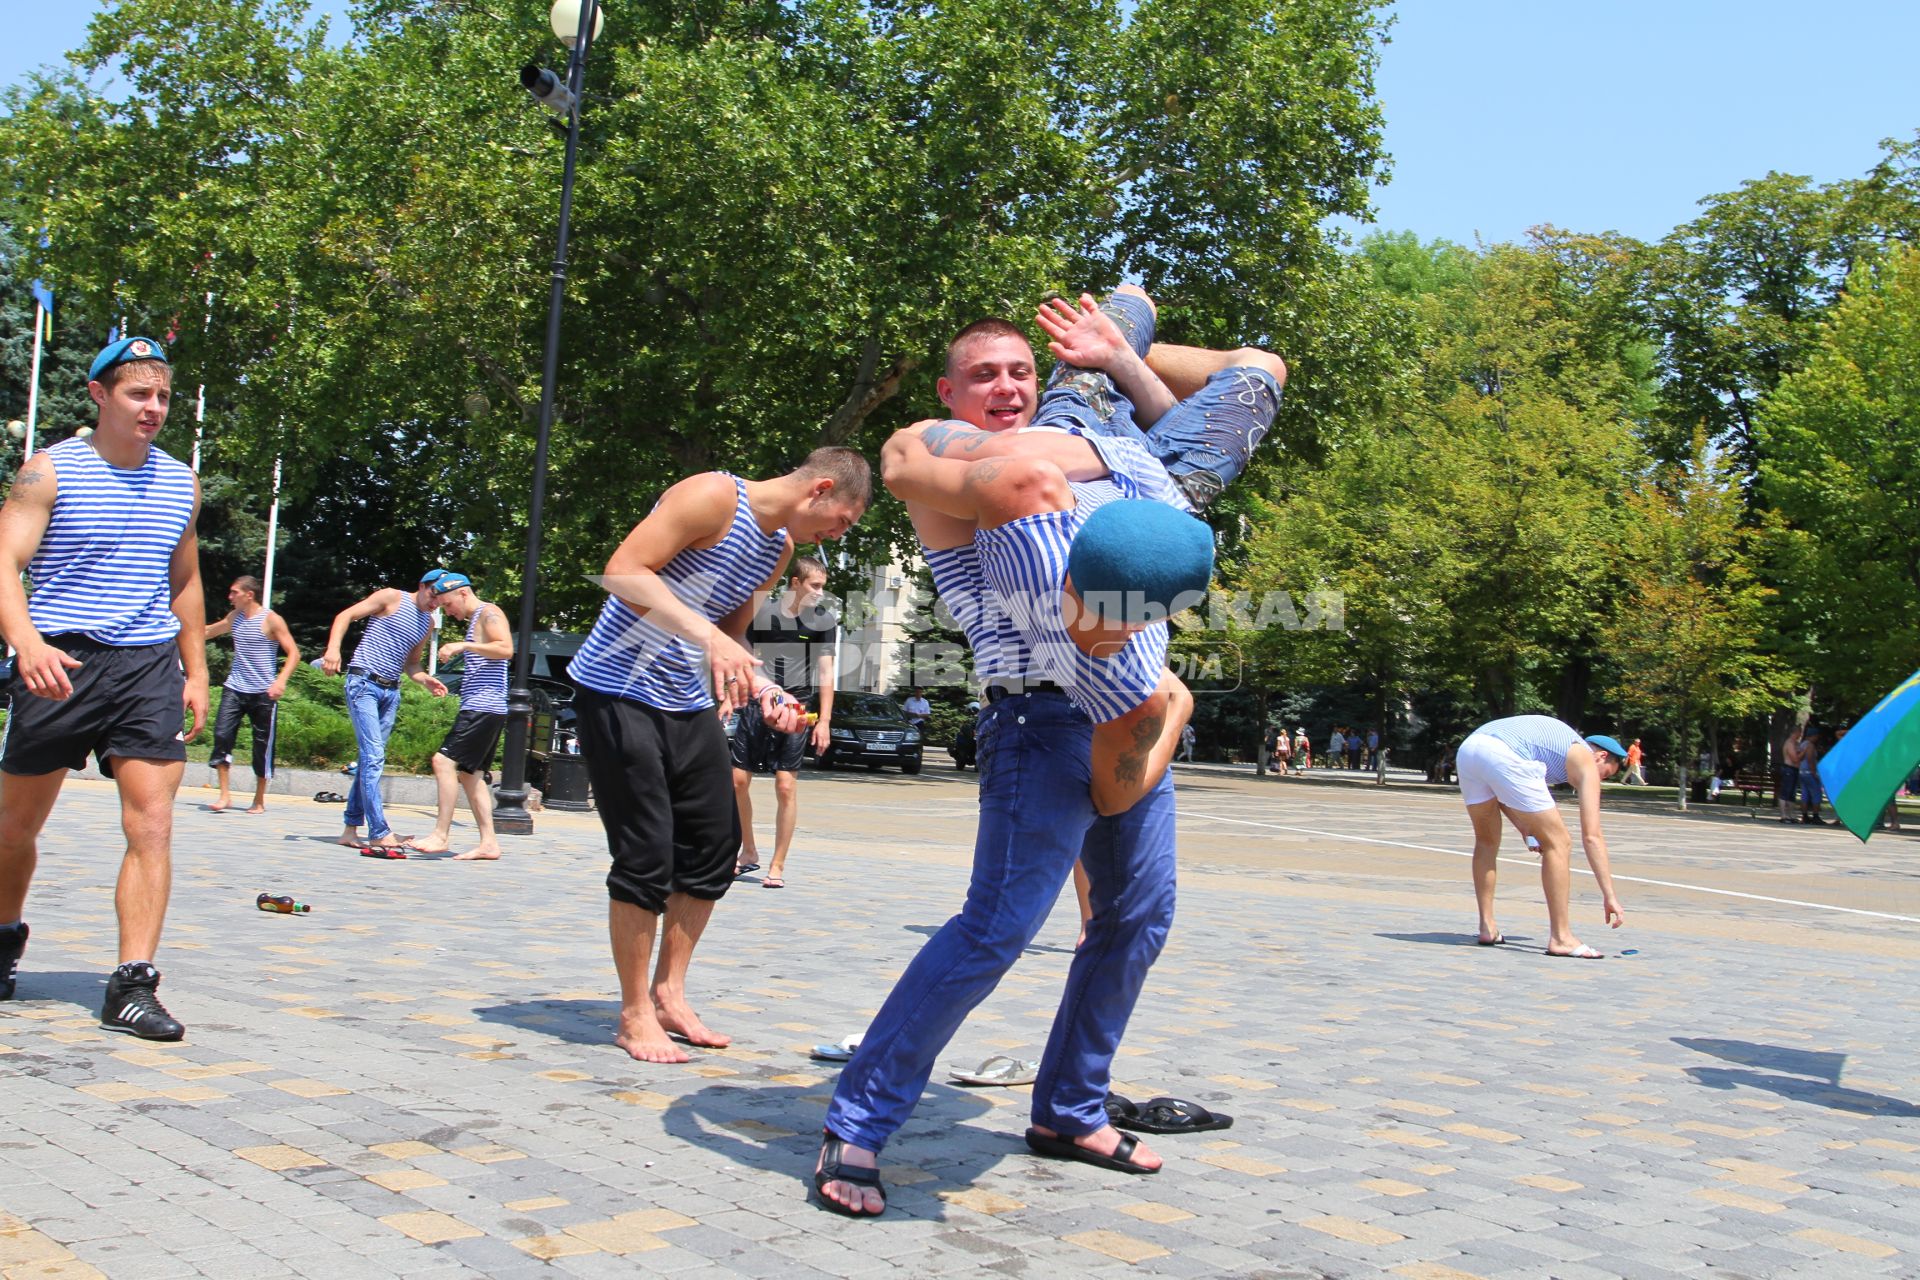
451	581
1610	745
1133	560
431	578
123	352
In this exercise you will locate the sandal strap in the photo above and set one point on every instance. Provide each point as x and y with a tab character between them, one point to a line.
1123	1149
831	1170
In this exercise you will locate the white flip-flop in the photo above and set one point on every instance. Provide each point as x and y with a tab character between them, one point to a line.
841	1052
997	1070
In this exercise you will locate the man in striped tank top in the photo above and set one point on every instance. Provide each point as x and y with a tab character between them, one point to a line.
991	499
110	648
669	646
486	653
393	646
1506	767
252	690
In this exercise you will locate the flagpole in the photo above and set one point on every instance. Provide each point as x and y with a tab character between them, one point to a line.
273	538
33	379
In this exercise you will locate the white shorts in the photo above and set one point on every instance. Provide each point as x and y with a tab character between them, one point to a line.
1490	769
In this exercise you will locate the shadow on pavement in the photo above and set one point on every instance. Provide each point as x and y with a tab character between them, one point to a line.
1798	1062
777	1129
1817	1092
82	989
574	1021
1032	948
1807	1076
1451	939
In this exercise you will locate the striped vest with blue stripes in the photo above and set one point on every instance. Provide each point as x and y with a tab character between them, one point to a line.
1540	738
483	681
102	566
255	654
626	656
998	651
1025	563
388	640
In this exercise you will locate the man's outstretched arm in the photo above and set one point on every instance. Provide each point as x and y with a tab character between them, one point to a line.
927	463
1087	338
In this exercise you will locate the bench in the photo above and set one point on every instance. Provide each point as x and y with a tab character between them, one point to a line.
1752	782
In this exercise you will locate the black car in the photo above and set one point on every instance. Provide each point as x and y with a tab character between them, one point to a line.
869	729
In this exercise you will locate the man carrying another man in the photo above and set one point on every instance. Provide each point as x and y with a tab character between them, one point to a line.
1036	523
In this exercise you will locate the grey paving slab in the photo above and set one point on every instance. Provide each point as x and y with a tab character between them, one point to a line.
417	1079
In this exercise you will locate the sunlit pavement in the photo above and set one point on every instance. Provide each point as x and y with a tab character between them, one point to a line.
418	1078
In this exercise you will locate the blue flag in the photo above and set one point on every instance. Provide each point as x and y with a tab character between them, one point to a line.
42	295
1864	770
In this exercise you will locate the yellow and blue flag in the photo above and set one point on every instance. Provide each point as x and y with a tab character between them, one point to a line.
1864	770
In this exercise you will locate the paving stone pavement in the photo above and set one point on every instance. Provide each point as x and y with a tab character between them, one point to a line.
417	1078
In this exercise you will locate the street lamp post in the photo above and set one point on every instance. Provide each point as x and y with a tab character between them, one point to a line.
510	812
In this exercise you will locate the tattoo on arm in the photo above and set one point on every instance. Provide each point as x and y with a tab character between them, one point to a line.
942	438
1132	764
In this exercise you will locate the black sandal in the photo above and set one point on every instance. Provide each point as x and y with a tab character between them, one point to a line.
1067	1149
831	1170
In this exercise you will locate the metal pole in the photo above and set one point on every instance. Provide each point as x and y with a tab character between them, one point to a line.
273	539
510	814
33	380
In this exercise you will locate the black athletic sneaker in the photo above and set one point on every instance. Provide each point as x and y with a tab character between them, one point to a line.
132	1006
13	945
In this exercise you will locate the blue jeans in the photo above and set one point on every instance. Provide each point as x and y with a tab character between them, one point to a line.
1213	431
372	708
1035	819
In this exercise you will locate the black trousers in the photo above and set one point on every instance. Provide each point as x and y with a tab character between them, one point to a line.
663	786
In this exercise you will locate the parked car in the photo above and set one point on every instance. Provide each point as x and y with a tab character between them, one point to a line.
869	729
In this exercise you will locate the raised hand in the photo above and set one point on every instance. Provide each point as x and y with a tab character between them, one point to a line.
1083	336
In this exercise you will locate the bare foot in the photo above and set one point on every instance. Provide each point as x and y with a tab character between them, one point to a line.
350	838
256	808
485	853
220	805
1105	1141
426	844
677	1018
865	1201
645	1040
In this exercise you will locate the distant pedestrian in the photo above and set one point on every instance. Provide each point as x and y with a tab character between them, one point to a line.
1353	748
1635	756
918	709
1302	750
1373	750
1812	744
1336	748
1280	748
1186	742
1786	773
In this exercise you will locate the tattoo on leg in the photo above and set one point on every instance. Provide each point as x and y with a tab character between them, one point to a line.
1132	764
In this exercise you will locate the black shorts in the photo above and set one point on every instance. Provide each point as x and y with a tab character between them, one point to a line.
760	749
471	740
125	702
258	710
664	792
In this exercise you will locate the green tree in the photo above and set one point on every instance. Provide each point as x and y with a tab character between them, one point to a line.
782	212
1692	642
1841	468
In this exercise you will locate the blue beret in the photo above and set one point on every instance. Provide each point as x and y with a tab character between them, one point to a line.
431	577
1610	745
451	581
125	351
1133	560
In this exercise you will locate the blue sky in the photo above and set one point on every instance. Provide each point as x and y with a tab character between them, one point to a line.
1609	115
